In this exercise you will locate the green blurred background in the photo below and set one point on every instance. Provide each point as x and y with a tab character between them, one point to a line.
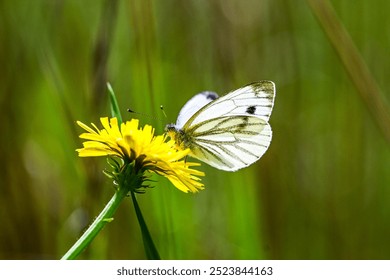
320	192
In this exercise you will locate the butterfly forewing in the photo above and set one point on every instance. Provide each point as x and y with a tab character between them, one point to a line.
193	105
256	99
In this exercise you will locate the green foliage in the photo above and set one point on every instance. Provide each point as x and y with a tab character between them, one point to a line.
320	192
115	111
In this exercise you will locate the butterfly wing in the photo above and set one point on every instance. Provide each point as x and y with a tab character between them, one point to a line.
255	99
193	105
230	132
230	143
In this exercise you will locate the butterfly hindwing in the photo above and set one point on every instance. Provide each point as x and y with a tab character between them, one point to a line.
230	143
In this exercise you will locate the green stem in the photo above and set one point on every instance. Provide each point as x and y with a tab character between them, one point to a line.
104	217
150	249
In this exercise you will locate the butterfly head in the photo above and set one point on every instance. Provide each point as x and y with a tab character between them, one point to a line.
171	130
181	139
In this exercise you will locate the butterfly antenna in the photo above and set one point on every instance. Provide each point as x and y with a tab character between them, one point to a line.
156	118
142	114
146	115
162	109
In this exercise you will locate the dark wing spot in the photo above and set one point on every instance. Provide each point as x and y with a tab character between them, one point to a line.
242	125
210	95
251	110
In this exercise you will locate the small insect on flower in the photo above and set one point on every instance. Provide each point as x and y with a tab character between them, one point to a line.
230	132
139	148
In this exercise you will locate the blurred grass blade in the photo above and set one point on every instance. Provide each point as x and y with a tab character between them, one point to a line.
115	112
150	249
353	63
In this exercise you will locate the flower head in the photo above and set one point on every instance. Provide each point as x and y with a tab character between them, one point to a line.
139	147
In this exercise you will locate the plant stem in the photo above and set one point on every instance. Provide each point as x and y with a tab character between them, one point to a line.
104	217
150	250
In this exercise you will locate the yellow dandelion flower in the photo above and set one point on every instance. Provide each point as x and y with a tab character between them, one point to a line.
139	145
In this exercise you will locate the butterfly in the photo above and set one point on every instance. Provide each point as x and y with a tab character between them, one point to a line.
228	132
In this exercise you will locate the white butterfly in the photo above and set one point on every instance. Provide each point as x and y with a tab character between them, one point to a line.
230	132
